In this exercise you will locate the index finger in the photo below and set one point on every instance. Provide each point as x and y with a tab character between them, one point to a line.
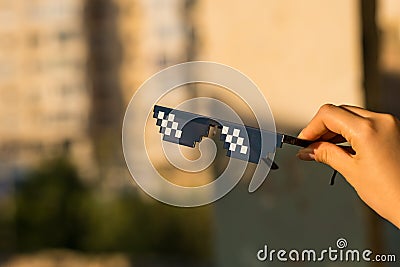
331	118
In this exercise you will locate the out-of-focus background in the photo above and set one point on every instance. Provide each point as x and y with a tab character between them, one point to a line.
68	69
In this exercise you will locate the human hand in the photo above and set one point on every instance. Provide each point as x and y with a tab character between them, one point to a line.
374	169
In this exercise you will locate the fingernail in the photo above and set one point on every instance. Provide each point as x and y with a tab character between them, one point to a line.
306	154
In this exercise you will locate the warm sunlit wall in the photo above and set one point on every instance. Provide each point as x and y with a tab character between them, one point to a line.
301	54
389	25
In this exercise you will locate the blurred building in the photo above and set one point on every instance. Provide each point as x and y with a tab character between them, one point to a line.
69	68
154	34
43	93
103	69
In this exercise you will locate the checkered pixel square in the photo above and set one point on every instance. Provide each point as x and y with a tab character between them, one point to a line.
168	124
235	141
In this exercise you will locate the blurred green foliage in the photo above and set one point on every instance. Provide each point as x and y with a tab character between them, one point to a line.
49	207
54	209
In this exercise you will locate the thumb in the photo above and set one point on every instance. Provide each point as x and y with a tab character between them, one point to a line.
327	153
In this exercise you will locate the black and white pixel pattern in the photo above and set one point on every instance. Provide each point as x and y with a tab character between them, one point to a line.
168	124
181	127
235	141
